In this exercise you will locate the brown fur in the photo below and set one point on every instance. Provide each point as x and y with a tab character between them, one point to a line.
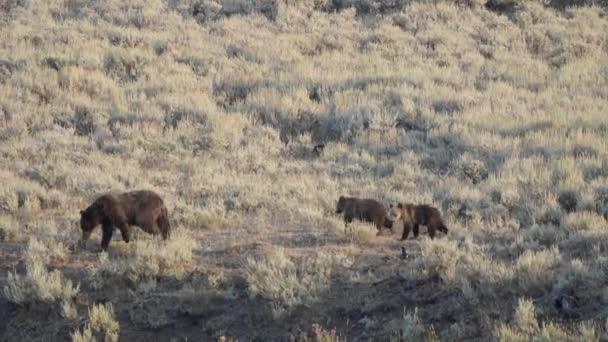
364	209
141	208
415	215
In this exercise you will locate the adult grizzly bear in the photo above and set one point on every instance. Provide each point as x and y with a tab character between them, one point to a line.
142	208
416	215
364	209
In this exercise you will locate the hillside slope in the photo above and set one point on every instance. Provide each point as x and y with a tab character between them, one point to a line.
497	118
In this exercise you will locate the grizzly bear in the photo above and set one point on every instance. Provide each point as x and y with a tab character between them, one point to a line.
416	215
142	208
364	209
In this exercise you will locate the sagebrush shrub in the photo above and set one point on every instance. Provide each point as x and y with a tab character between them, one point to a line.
38	284
288	281
148	258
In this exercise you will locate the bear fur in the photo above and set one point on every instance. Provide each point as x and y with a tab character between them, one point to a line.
364	209
415	215
142	208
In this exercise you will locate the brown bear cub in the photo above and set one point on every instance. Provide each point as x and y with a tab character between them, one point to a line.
364	209
416	215
142	208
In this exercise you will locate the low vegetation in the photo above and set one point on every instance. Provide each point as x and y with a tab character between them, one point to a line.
101	324
38	285
251	118
286	282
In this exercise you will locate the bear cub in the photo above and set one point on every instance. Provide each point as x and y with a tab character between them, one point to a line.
142	208
364	209
415	215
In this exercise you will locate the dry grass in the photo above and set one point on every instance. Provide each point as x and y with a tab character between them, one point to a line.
526	328
38	284
494	114
146	259
288	282
360	232
101	325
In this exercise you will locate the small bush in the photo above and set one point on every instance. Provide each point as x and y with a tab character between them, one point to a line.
101	325
469	168
585	220
360	232
84	121
145	259
85	336
101	319
123	66
47	250
289	282
412	327
68	310
38	285
9	229
536	270
324	335
527	328
568	200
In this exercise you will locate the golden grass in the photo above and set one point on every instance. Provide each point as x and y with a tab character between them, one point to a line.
498	119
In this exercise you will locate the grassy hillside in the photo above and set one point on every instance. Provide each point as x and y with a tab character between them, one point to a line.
495	114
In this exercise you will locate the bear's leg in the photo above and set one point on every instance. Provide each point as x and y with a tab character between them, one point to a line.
406	230
106	236
163	223
378	225
431	229
416	230
442	228
164	231
347	220
124	230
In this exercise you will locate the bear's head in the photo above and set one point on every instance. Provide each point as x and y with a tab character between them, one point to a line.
341	204
396	213
89	219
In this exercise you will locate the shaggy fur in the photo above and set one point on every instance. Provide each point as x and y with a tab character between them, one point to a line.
141	208
416	215
364	209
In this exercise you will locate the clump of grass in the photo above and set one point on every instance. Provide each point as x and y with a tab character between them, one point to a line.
9	229
48	250
360	232
535	270
495	114
288	281
324	335
145	259
38	284
124	66
413	329
470	168
86	335
411	326
68	310
101	319
585	221
464	266
101	324
526	327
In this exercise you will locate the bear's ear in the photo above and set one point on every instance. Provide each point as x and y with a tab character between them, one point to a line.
82	212
390	205
400	205
341	198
